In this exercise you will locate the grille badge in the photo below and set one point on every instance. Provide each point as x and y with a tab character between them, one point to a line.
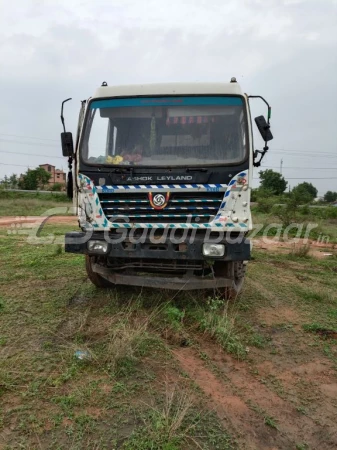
159	201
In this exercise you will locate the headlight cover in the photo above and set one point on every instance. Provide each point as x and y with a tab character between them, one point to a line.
98	247
213	250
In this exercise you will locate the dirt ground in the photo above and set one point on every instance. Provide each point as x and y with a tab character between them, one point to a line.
14	220
283	395
239	393
315	248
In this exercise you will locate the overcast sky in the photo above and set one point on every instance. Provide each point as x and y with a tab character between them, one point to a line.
284	50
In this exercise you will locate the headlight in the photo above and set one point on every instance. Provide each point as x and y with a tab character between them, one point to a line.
98	246
213	249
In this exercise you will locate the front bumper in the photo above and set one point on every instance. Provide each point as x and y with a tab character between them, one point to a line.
184	283
236	249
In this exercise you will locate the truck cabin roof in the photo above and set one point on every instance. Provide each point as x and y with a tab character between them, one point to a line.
159	89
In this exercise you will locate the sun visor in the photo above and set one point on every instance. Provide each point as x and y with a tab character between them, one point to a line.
182	111
130	112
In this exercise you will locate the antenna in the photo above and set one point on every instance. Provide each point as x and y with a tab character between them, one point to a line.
62	118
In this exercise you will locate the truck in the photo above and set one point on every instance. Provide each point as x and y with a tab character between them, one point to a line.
161	176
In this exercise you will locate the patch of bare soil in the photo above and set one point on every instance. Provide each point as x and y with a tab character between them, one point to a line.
279	314
245	401
316	249
222	399
59	220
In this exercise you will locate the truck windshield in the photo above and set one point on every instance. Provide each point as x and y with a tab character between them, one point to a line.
170	131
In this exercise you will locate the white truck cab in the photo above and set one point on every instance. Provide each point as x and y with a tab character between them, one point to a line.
161	176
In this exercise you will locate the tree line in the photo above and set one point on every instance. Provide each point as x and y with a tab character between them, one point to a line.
273	183
31	180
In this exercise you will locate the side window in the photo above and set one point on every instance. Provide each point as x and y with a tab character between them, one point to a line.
243	134
98	138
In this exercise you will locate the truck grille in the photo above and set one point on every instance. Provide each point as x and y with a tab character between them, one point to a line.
182	207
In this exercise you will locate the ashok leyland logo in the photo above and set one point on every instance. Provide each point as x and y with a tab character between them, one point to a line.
159	201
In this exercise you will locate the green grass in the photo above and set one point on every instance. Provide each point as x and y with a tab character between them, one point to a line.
270	422
220	322
302	446
325	218
31	204
48	311
174	432
122	395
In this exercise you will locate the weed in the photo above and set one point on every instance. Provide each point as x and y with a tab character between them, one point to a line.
302	410
268	420
176	407
257	340
165	428
271	422
302	446
276	384
309	295
320	330
66	402
127	338
119	387
221	324
173	316
69	373
85	423
300	251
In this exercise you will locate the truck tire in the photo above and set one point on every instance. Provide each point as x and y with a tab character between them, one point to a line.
237	271
94	277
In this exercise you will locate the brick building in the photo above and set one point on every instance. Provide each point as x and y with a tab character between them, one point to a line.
57	175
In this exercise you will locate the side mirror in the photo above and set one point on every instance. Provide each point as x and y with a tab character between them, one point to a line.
67	143
264	128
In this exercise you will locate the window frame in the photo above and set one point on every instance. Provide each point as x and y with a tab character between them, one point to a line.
86	123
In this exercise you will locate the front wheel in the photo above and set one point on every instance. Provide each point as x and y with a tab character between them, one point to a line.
94	277
236	271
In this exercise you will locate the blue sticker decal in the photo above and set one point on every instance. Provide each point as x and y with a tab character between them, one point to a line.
166	101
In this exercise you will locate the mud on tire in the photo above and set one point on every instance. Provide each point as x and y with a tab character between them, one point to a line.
94	277
235	270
